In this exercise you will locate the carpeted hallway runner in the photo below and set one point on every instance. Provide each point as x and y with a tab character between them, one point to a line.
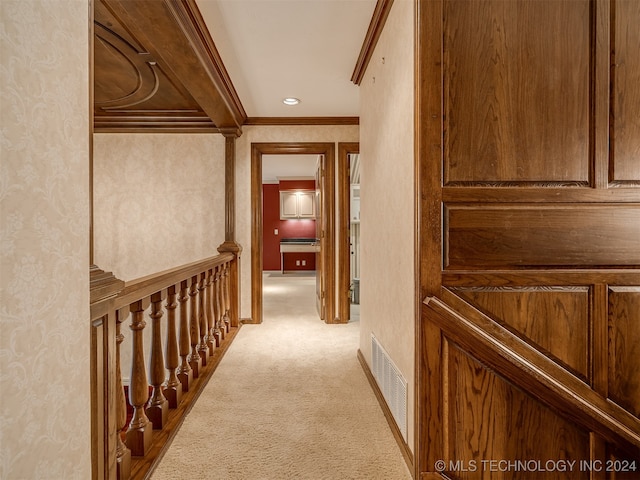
288	401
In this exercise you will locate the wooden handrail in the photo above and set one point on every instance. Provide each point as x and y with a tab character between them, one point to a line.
150	284
530	370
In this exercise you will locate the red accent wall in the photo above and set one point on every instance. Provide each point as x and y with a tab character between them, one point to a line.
286	228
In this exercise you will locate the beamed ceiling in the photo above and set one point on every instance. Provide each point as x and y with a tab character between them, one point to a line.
157	69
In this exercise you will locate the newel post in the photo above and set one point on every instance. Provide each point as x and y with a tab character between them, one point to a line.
108	458
233	285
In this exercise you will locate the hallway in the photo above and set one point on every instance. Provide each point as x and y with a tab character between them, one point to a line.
289	400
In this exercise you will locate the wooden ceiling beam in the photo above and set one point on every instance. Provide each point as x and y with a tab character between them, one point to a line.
175	34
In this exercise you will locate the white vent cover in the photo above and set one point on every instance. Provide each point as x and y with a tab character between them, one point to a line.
391	383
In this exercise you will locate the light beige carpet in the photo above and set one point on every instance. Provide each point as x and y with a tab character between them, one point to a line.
288	401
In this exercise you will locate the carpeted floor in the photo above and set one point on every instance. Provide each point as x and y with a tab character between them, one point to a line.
288	401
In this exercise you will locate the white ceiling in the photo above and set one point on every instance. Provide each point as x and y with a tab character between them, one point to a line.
307	49
274	167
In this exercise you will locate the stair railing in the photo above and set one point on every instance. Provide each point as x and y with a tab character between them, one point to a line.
191	306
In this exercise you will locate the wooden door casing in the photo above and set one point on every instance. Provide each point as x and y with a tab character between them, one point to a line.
320	228
529	163
327	150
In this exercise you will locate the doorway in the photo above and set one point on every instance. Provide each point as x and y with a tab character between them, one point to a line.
327	260
346	284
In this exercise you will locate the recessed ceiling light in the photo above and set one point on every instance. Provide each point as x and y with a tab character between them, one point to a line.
291	101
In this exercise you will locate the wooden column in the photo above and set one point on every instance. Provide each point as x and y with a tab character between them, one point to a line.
230	244
158	409
173	388
185	374
123	454
194	328
230	186
203	348
139	432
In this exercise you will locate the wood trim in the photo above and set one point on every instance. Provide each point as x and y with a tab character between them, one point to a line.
530	370
559	277
599	339
155	124
602	149
256	234
201	38
428	122
103	286
549	195
91	114
316	121
404	448
329	255
344	277
379	18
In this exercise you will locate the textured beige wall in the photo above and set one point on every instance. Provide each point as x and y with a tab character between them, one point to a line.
256	134
387	290
158	201
45	414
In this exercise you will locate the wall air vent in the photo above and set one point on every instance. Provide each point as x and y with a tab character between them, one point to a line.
391	383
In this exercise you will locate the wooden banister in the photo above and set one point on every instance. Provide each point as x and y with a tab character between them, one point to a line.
150	284
196	290
529	369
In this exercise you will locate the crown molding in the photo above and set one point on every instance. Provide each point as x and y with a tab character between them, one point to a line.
265	121
201	38
379	18
154	123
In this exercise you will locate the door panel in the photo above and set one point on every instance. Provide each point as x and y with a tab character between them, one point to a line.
500	235
624	347
553	319
492	420
508	117
536	102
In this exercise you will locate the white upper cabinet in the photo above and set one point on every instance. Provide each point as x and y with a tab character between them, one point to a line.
297	204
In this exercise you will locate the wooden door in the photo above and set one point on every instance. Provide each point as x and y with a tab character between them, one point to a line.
529	147
320	237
